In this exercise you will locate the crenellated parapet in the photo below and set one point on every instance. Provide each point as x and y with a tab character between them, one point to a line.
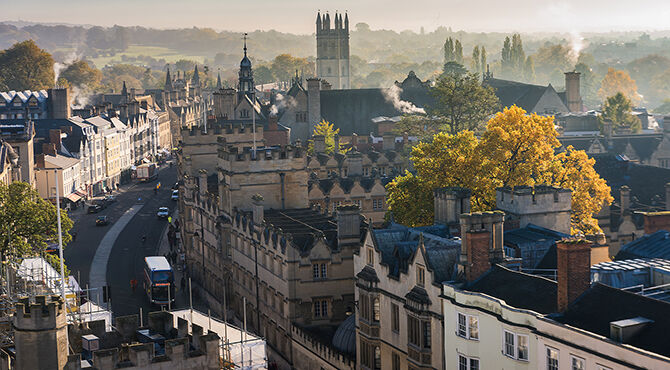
324	352
44	313
269	236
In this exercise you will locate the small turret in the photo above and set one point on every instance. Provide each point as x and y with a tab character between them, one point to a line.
196	76
346	21
318	22
168	80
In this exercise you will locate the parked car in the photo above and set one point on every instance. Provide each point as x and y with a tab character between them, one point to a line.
101	221
163	212
94	208
175	195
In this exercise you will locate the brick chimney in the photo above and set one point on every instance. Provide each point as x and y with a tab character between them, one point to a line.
655	221
49	148
39	161
272	122
574	270
572	94
55	138
481	243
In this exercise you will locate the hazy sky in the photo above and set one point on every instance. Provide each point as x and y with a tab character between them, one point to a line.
297	16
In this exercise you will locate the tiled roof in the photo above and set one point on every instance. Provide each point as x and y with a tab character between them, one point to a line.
594	310
517	289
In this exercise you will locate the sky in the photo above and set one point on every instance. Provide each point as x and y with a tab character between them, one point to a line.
297	16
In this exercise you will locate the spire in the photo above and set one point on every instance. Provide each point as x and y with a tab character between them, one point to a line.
346	21
218	80
124	91
168	80
327	22
318	21
196	76
245	44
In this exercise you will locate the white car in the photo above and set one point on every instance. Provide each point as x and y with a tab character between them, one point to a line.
163	212
175	195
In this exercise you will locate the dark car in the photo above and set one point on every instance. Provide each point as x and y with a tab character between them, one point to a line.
101	221
94	208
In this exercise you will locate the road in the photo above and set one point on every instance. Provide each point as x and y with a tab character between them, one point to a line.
127	255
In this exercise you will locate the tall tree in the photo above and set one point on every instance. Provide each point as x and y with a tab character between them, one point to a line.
448	50
28	222
328	131
475	64
454	68
618	109
529	69
617	81
458	52
25	66
516	149
483	62
461	102
80	73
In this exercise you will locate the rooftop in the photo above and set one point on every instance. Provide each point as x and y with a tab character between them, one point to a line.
656	245
304	225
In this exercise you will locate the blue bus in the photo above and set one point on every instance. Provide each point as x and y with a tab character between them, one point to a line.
158	280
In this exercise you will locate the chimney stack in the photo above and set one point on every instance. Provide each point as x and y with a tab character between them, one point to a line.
55	138
572	94
319	143
354	140
481	243
58	102
313	103
272	123
355	164
39	161
348	224
624	202
449	204
655	221
336	139
49	149
388	141
574	270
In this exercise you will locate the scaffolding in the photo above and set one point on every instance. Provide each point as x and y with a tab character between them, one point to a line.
34	276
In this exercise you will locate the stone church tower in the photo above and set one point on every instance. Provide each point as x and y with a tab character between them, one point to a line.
332	50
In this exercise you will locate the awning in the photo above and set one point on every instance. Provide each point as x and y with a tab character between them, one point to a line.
73	197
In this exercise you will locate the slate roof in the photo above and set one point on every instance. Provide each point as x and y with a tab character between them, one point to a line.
643	145
399	243
644	181
517	289
531	243
594	310
516	93
344	338
304	225
656	245
8	96
347	183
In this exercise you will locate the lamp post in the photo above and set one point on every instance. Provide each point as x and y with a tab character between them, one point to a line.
60	238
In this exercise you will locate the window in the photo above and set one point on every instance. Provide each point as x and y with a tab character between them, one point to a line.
365	306
378	359
413	331
467	363
552	359
395	361
578	363
426	334
468	326
315	271
395	318
319	271
371	256
320	308
244	113
324	271
377	203
366	355
420	276
375	310
515	345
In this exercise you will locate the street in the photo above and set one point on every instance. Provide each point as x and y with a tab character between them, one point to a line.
126	259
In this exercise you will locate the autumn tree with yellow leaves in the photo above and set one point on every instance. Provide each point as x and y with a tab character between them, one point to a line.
516	149
617	81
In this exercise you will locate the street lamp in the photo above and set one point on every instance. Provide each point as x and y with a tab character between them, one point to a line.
60	238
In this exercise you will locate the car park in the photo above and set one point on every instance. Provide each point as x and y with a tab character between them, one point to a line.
101	221
163	212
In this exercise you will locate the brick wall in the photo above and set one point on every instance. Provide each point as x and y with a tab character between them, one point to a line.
574	270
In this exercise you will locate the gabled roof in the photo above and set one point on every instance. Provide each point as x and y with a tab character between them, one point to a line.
9	96
594	310
526	96
304	225
517	289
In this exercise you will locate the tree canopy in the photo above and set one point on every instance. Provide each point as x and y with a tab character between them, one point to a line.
515	150
328	131
80	73
617	81
28	223
618	109
25	66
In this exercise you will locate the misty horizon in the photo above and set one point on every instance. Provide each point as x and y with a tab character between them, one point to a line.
478	16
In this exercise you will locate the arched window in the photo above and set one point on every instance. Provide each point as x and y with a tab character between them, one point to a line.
378	359
375	308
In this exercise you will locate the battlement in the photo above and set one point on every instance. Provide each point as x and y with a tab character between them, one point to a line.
288	152
228	129
328	353
452	192
527	199
270	237
42	313
479	221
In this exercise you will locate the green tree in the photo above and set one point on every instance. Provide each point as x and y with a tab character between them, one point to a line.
617	81
328	131
475	64
284	67
516	149
28	223
458	52
529	69
424	128
263	75
454	69
449	50
618	109
80	73
483	62
461	102
25	66
664	108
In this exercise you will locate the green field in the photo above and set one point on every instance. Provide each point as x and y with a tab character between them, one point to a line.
156	52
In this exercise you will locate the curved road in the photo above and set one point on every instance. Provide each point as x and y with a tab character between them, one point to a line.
125	249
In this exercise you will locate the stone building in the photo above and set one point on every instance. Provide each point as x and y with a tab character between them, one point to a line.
10	170
43	104
543	206
332	50
18	138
